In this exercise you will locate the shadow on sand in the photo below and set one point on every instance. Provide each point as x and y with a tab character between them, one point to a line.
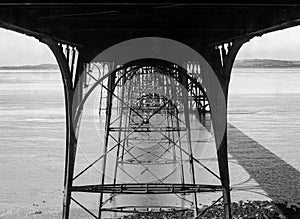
277	178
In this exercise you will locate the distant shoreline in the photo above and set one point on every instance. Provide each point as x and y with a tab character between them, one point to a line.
265	63
267	67
243	63
31	67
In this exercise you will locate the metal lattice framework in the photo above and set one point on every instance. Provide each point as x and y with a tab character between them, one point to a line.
146	105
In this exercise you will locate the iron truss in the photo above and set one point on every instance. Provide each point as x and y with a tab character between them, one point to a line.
146	105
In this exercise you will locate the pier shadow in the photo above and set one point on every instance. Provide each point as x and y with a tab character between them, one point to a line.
276	177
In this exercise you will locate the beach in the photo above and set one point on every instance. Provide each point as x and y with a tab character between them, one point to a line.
263	132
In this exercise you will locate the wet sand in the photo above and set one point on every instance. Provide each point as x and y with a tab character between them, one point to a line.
265	168
263	156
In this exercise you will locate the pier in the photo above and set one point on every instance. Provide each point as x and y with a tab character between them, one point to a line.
148	69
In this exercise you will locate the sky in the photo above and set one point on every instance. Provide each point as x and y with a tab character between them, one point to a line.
282	44
19	49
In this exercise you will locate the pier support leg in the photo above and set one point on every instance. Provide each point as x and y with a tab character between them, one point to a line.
186	105
221	59
111	83
66	68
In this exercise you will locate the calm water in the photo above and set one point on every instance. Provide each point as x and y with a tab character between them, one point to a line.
263	103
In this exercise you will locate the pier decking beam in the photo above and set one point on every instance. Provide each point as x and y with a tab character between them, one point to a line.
221	59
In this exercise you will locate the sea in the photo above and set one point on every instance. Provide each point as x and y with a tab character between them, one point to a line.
263	133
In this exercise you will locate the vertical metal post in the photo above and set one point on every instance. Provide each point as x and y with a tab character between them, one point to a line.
101	90
120	130
128	116
215	58
224	175
71	140
170	113
222	62
180	152
185	99
173	128
174	96
111	81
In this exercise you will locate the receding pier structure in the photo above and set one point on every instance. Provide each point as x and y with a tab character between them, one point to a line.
146	103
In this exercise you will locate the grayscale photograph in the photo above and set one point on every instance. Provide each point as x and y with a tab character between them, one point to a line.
150	110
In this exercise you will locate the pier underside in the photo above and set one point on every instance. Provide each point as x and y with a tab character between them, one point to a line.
147	104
